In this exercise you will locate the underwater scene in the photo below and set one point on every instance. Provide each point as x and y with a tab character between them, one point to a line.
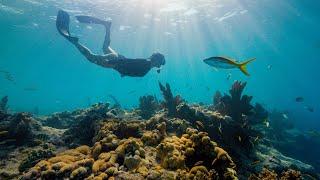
159	89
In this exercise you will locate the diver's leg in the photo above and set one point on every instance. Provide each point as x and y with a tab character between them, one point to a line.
85	51
107	24
94	58
106	44
62	24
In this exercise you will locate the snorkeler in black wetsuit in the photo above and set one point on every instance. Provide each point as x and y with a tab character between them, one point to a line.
111	59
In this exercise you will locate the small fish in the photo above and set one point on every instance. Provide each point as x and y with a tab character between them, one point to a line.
239	138
299	99
215	69
131	92
274	159
256	139
229	76
158	70
199	124
269	67
198	163
227	63
244	124
207	88
310	109
3	133
285	116
220	129
7	75
254	163
266	122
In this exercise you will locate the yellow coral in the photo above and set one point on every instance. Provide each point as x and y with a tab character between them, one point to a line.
105	156
83	150
98	165
143	170
79	173
110	156
96	150
223	156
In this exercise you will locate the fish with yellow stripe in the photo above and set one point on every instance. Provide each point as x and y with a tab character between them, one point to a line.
228	63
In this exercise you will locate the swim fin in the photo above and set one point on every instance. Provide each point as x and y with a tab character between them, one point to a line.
62	24
93	20
243	66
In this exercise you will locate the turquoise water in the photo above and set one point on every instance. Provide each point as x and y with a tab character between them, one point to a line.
49	73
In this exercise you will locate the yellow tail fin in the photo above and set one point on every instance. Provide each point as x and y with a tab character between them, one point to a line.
243	66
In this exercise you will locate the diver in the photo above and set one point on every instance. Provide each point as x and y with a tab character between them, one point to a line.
110	59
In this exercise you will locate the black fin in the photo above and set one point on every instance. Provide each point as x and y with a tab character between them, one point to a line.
62	24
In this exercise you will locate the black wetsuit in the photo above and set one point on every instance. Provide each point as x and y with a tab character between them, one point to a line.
132	67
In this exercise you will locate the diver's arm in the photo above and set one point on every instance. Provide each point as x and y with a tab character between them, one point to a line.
101	60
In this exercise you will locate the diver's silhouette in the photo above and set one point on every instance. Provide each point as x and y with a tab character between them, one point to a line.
110	59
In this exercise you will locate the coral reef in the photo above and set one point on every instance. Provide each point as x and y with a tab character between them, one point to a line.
174	141
148	106
170	102
139	149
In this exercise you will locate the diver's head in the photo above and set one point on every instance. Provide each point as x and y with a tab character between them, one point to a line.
157	60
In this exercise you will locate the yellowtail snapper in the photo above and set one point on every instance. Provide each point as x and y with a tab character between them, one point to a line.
227	63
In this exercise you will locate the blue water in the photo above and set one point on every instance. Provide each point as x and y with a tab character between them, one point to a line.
50	73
